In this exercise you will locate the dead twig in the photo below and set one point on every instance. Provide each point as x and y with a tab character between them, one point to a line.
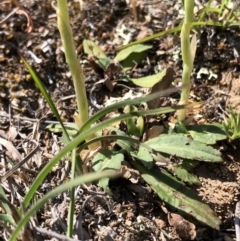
134	8
20	163
237	221
30	119
54	235
18	10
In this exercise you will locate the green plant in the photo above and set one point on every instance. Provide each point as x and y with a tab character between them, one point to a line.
82	135
125	60
232	125
72	60
152	158
24	218
202	135
227	16
188	54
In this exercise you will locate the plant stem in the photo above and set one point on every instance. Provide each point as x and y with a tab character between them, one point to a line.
187	57
70	225
71	59
74	65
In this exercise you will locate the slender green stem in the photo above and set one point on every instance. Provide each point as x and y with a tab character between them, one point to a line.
74	66
187	56
72	198
71	59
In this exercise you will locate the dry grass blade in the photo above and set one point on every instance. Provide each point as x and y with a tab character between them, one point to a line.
20	163
4	20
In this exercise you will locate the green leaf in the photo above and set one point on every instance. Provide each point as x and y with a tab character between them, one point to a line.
6	218
135	126
4	205
126	145
178	29
12	214
105	160
189	164
93	49
184	175
140	126
208	133
182	146
133	147
209	10
132	56
153	36
71	128
135	101
178	196
178	128
131	125
86	131
232	125
144	156
149	81
125	53
46	95
133	60
104	62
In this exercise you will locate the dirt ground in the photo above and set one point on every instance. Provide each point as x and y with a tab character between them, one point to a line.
133	212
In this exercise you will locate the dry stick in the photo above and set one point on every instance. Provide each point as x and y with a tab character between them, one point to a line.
134	8
54	235
31	119
237	221
9	15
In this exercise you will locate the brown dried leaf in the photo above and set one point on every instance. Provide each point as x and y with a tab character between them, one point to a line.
110	116
163	84
112	69
184	228
27	235
144	33
154	131
108	144
160	223
109	84
11	150
130	174
92	60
